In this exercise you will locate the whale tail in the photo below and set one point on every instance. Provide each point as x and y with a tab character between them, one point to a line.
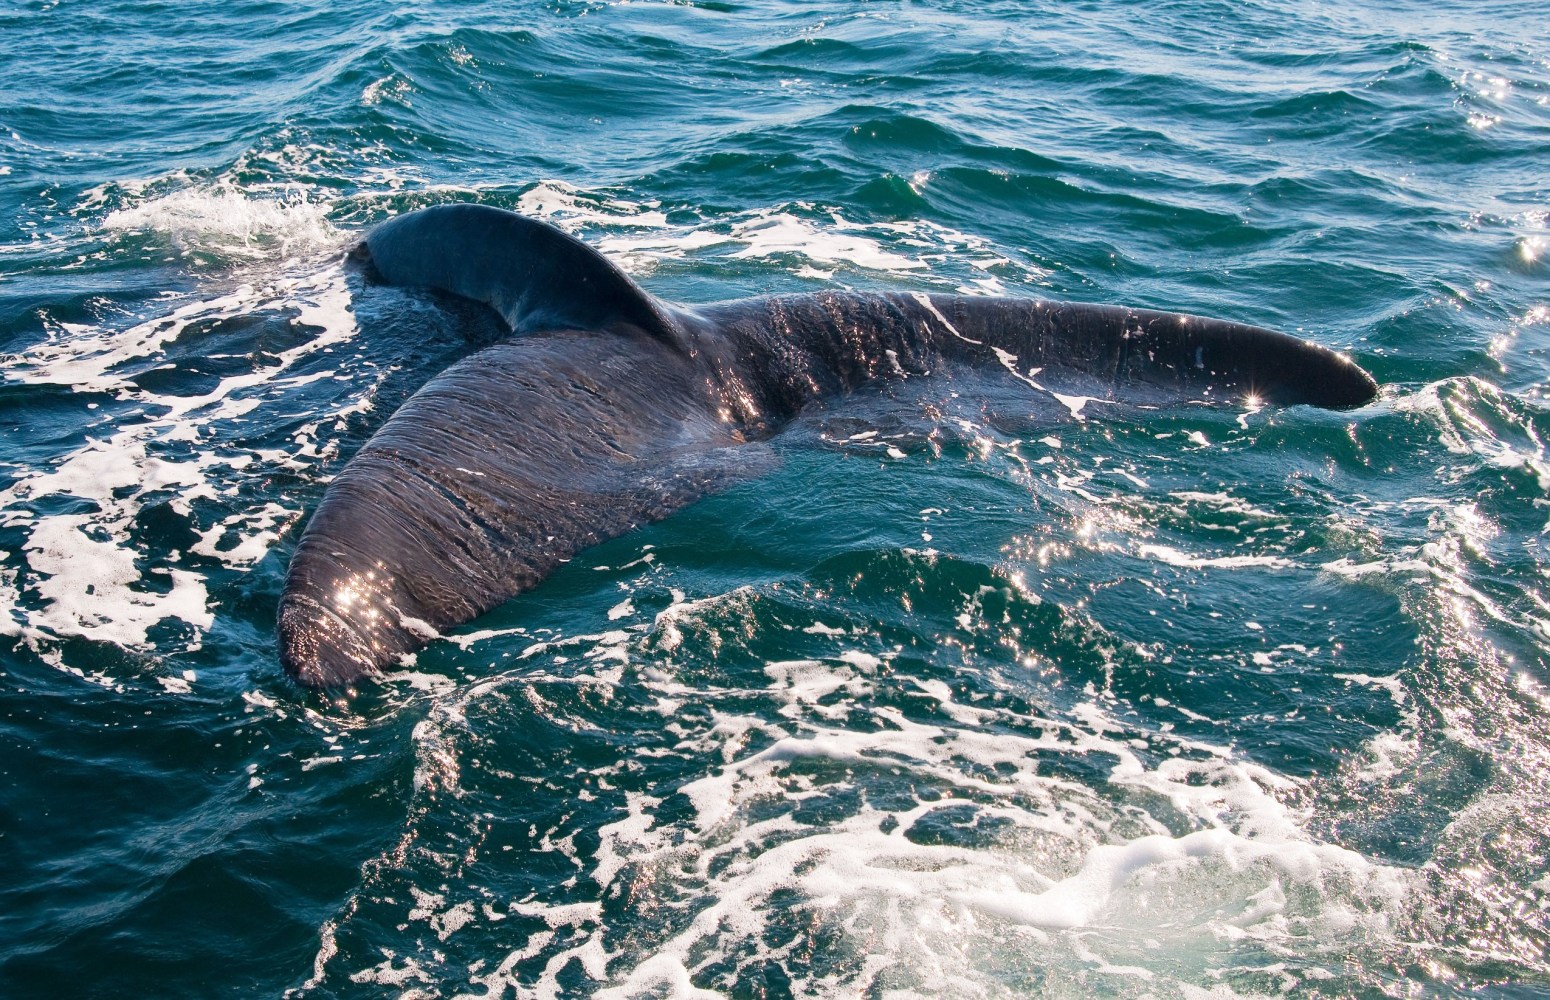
615	409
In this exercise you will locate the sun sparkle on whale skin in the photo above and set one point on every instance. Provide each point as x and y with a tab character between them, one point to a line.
352	626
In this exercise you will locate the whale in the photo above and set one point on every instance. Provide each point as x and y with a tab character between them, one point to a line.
606	408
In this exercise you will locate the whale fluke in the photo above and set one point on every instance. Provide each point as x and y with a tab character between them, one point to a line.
608	409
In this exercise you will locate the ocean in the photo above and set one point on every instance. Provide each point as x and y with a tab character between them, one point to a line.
958	694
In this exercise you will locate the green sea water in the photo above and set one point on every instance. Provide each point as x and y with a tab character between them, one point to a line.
957	695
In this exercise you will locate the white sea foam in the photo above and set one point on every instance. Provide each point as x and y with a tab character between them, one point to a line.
1224	502
392	88
230	221
641	236
1175	557
804	684
842	242
930	913
573	206
1158	873
254	530
85	573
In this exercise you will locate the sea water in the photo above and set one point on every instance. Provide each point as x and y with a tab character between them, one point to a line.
958	693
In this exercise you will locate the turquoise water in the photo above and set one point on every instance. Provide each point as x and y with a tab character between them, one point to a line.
959	696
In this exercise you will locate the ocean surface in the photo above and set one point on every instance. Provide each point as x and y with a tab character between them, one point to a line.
947	699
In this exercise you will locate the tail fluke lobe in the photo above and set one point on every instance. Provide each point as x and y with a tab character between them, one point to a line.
499	470
534	275
1189	356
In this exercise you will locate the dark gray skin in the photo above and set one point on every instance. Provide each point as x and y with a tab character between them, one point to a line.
609	409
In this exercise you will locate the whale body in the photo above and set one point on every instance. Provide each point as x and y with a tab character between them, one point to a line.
607	409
